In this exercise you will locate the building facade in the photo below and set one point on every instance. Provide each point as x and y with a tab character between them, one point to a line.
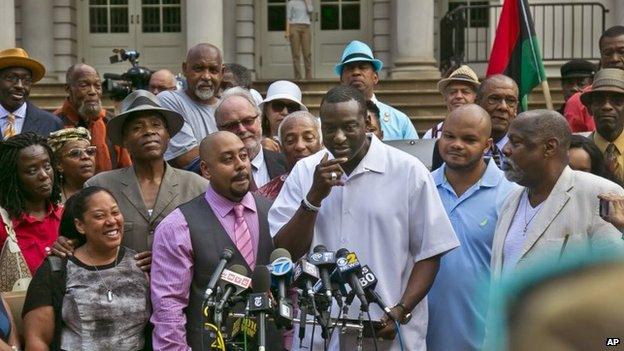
403	33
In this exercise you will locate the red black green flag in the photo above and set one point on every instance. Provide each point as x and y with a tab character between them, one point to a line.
515	52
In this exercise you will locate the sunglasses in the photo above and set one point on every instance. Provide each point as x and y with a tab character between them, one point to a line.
279	105
77	152
233	126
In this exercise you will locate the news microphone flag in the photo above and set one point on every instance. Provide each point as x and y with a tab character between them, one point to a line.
516	52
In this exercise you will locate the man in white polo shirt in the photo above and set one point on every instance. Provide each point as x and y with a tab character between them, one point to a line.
378	202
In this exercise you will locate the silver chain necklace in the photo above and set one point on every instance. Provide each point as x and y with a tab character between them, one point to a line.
109	291
526	223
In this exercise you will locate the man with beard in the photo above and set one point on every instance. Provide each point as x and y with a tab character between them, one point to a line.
359	69
83	108
472	190
17	74
378	202
189	241
203	70
611	45
556	210
238	113
605	100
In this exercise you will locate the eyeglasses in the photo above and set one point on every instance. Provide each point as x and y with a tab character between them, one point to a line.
233	126
13	79
77	152
278	106
497	100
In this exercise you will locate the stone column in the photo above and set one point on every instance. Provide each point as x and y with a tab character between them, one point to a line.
7	16
204	22
413	40
38	32
618	14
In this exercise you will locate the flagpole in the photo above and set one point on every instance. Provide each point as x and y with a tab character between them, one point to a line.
546	92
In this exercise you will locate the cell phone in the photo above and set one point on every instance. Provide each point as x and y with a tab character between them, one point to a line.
603	208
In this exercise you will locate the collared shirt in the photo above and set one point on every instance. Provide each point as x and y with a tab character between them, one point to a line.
199	121
435	132
603	143
387	235
298	11
171	277
20	117
259	169
579	119
394	123
456	312
500	145
34	235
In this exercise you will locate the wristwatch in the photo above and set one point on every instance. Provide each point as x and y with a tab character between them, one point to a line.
407	316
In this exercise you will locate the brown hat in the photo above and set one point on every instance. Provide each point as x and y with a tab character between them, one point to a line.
18	57
462	74
606	80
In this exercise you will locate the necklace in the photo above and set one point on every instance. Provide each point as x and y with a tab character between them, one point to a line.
527	204
109	291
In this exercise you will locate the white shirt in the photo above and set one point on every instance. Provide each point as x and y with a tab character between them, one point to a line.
429	133
20	117
259	169
389	213
516	236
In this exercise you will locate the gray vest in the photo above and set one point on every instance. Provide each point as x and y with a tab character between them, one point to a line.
208	239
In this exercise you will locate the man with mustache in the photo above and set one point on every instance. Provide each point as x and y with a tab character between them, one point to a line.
189	241
611	45
203	70
605	101
18	72
83	108
556	210
238	113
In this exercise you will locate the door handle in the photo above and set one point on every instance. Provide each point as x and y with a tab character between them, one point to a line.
131	19
316	16
138	19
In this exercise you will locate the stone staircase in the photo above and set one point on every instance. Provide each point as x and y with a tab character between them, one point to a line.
418	98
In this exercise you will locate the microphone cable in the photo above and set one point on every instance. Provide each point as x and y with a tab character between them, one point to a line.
370	323
398	328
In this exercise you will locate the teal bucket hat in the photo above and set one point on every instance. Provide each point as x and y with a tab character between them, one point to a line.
357	51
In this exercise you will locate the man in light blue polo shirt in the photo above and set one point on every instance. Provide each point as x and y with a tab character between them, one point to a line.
472	190
359	69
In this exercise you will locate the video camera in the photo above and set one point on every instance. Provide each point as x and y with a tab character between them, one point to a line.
118	86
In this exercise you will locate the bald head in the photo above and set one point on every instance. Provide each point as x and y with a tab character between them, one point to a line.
162	80
74	72
203	70
213	143
495	81
543	125
203	50
471	115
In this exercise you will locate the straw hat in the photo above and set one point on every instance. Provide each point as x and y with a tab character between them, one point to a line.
18	57
462	74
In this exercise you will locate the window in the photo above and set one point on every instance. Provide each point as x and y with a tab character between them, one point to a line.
479	17
161	16
108	16
340	14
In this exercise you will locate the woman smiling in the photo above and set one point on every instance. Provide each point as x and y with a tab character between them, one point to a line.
97	299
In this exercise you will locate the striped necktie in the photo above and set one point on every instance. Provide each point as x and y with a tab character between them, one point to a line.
495	151
9	130
243	237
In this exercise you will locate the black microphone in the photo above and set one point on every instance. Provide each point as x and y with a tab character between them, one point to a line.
226	256
325	261
349	267
368	281
234	280
305	275
281	272
259	302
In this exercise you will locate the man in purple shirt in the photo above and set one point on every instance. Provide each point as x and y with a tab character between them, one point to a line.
189	241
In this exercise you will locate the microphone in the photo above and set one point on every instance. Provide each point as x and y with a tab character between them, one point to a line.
226	256
368	281
305	275
325	261
259	302
349	267
281	271
234	281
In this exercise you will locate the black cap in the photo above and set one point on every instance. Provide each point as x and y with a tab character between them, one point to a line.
578	68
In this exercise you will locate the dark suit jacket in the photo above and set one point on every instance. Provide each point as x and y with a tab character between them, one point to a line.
275	162
40	121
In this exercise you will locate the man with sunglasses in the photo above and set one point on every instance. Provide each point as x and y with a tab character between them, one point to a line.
83	108
18	73
238	113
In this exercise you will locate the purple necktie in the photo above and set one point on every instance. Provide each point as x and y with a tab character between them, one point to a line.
243	237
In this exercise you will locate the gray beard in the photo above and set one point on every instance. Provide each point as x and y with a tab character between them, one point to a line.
89	110
513	173
204	94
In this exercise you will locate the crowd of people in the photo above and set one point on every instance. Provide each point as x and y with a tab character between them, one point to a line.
115	222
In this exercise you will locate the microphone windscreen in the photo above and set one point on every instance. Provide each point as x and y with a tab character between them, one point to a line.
279	252
239	269
319	248
261	279
227	254
342	252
